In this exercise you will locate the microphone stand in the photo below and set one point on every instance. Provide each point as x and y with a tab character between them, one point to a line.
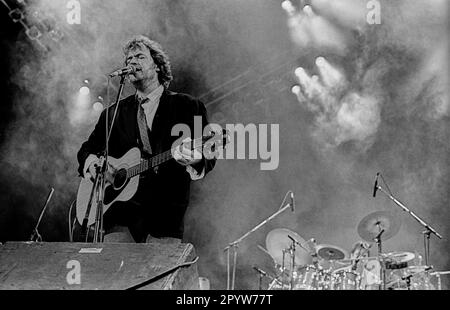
98	231
35	236
235	244
428	229
377	240
262	274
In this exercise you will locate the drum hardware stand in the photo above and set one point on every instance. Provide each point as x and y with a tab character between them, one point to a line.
283	266
428	229
377	240
262	274
292	252
35	236
438	275
408	281
235	244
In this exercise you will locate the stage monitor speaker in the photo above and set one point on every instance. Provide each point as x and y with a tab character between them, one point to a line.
106	266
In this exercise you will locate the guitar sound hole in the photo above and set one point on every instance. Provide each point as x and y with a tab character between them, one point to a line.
120	179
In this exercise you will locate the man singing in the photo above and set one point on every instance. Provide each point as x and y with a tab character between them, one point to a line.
145	120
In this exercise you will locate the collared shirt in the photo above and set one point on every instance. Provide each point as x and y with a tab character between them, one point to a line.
151	105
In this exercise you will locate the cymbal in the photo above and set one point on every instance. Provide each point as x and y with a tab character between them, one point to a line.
400	257
371	225
331	252
278	241
417	269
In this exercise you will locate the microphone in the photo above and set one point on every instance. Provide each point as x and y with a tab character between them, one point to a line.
260	271
292	202
375	186
124	71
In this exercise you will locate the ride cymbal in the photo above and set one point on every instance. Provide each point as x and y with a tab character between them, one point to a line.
371	226
278	244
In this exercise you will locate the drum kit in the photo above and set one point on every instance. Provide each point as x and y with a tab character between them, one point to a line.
305	265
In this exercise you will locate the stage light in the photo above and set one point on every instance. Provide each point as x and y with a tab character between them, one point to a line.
98	106
299	71
85	91
307	9
331	76
288	7
296	90
320	61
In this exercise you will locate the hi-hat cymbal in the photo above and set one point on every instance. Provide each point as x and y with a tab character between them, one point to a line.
417	269
370	226
331	252
278	242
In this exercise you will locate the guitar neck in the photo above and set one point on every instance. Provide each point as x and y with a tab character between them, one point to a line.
160	159
149	164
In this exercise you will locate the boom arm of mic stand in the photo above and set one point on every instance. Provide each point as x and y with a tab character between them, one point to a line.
404	208
235	244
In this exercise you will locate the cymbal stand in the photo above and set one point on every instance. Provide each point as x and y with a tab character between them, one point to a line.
292	252
232	247
377	240
428	229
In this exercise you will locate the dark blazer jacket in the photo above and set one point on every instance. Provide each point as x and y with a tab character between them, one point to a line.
160	204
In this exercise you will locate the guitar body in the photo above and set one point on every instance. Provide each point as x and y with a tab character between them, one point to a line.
112	195
124	181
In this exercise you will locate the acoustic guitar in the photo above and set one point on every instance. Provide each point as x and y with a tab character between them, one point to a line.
122	183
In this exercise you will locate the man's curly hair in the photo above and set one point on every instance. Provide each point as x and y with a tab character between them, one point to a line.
159	57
